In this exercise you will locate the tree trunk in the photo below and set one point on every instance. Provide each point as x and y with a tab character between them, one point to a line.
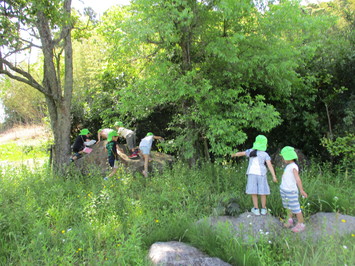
54	31
58	99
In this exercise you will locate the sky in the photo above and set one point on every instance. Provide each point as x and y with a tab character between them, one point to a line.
99	6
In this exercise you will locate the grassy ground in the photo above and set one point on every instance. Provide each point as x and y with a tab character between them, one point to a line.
24	145
74	219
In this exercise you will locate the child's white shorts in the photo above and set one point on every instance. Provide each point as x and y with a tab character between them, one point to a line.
257	184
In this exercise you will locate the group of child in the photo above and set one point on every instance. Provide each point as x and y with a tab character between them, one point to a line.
112	147
257	184
291	183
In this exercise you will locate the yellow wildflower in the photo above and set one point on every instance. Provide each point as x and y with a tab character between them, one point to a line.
343	220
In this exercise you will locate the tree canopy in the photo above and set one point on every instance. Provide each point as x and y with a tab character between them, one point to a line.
208	75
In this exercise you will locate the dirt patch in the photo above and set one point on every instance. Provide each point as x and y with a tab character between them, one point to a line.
29	135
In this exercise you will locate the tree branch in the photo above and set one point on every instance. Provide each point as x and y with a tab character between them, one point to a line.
67	27
31	44
25	76
16	51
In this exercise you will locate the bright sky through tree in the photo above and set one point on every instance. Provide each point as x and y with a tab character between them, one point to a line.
99	6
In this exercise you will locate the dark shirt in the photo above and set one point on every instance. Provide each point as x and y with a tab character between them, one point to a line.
79	143
111	149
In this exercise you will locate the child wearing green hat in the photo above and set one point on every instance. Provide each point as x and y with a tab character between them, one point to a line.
257	173
144	148
79	143
130	137
290	184
112	147
103	134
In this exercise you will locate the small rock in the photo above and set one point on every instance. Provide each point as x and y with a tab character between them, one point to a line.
177	253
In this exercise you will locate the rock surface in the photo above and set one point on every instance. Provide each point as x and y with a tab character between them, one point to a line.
325	224
177	253
250	228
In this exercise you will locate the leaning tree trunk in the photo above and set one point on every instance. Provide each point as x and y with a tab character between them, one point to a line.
58	98
60	124
52	27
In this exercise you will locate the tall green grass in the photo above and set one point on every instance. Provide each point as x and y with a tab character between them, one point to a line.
77	219
12	152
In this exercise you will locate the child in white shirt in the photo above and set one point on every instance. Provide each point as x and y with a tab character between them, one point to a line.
291	184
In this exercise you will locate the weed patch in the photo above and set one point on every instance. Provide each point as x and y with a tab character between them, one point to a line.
78	219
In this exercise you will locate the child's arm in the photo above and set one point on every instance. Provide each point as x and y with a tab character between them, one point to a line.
157	137
272	171
299	183
239	154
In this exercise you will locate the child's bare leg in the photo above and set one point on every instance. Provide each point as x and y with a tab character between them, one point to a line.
146	161
114	171
263	201
254	197
140	153
289	220
300	218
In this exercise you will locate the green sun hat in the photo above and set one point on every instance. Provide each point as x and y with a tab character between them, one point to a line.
84	131
149	134
111	134
260	143
119	124
288	153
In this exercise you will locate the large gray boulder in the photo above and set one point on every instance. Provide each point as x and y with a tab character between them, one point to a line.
325	224
251	227
176	253
248	226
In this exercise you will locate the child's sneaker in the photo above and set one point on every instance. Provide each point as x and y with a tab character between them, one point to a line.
133	155
289	223
263	211
298	228
255	211
106	178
